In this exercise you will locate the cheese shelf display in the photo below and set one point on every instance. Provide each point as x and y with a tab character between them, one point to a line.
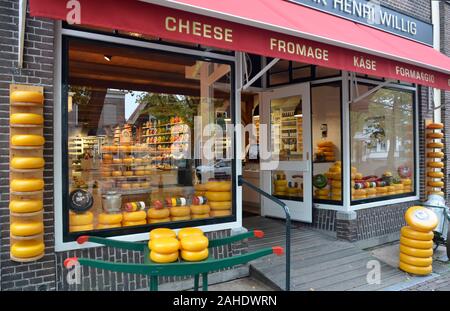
26	173
434	159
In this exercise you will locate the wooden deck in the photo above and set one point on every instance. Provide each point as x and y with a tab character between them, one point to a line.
319	261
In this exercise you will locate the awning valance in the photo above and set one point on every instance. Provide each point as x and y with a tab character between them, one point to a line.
272	28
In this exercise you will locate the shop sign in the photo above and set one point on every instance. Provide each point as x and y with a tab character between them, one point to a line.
372	13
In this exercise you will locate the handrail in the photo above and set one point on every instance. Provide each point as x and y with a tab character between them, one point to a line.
242	181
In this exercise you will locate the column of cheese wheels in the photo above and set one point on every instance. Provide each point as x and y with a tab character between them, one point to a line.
193	244
325	149
416	241
199	208
435	176
219	198
179	210
109	220
26	173
130	219
81	221
158	214
280	184
200	189
163	245
334	176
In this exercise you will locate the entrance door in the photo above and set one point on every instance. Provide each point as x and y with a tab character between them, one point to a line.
286	172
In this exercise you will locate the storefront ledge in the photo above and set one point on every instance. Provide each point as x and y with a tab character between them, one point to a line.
347	215
377	241
237	231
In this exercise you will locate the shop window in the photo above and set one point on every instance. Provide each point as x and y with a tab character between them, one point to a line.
279	73
326	140
149	134
324	72
382	144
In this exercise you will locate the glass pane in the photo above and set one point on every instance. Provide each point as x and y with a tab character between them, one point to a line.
149	134
382	146
287	128
301	73
326	135
287	184
323	72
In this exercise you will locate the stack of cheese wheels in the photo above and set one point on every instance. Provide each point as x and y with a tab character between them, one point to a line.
109	220
81	221
334	175
200	189
416	241
163	246
26	173
130	219
219	198
280	184
193	244
199	208
179	211
158	214
435	176
326	148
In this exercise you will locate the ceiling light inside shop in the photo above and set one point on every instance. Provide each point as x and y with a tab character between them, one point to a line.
107	57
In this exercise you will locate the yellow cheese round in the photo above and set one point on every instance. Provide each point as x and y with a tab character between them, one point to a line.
27	140
26	228
81	228
180	218
435	126
416	261
194	243
26	119
27	249
162	233
24	163
436	184
111	226
322	192
27	97
280	189
220	186
435	164
435	155
414	269
220	213
336	184
200	187
164	245
325	143
421	218
27	185
281	183
200	209
81	219
180	211
154	213
322	197
110	219
381	190
163	258
195	256
200	216
406	182
415	252
435	145
433	174
336	197
185	232
218	196
157	221
134	216
337	192
435	135
134	223
416	235
25	206
416	243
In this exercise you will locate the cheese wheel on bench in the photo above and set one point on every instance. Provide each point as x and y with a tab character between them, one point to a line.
134	216
24	163
154	213
110	219
26	119
180	211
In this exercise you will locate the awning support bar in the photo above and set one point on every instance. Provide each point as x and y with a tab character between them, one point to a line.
260	74
368	93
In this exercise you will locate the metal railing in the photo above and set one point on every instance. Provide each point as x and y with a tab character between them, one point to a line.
242	181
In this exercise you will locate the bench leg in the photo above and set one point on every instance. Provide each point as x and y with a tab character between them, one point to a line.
153	283
196	281
205	282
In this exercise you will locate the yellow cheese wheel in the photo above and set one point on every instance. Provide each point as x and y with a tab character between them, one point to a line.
200	209
415	252
322	192
280	189
27	97
335	169
27	140
336	197
416	243
359	197
27	185
358	176
371	191
180	211
220	186
416	235
435	126
218	196
185	232
280	183
360	192
180	218
199	193
435	135
435	145
111	226
200	187
381	190
86	218
27	249
134	223
162	233
195	256
26	228
325	143
414	269
81	228
134	216
435	164
322	197
154	213
24	163
220	213
116	173
25	206
406	181
416	261
110	219
194	243
336	192
326	149
26	119
157	221
200	216
435	155
164	245
436	184
336	184
128	173
433	174
163	258
421	218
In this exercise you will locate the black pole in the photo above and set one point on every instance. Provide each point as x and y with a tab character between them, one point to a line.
242	181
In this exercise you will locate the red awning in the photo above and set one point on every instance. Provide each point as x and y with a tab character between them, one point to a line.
273	28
